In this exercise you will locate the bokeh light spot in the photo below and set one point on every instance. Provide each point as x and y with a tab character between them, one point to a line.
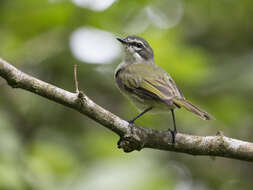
91	45
96	5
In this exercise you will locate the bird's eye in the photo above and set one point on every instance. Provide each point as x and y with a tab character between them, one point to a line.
139	45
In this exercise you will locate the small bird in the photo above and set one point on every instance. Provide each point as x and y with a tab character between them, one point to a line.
150	87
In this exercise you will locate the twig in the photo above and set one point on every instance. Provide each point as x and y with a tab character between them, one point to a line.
76	80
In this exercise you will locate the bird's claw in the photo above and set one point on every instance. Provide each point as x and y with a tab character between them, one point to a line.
173	134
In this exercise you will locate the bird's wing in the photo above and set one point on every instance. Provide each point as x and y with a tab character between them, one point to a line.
152	82
149	82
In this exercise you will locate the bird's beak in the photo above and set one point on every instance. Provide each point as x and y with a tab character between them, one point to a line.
122	40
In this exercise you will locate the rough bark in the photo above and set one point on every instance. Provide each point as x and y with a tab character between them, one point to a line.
132	137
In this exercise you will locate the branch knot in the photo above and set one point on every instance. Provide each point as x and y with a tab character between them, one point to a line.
131	141
129	144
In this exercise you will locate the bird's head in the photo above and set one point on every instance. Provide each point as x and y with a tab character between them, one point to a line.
136	49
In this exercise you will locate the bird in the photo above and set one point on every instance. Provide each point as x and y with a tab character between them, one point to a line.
148	86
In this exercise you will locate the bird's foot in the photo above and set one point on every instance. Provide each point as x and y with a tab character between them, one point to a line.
173	134
131	123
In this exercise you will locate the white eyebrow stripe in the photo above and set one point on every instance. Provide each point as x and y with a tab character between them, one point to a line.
136	40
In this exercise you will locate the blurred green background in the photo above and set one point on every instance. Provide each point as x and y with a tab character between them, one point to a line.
206	46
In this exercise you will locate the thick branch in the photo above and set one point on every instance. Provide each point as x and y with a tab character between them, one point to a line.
137	138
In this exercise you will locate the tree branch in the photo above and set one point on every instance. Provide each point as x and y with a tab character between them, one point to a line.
138	137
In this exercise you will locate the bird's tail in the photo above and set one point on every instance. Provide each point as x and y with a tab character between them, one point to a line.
192	108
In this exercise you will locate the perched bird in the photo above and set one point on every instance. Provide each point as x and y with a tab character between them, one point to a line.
149	87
